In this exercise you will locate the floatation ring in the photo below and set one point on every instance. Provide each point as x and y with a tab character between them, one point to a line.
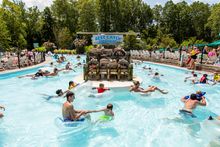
145	94
105	118
198	96
61	123
100	95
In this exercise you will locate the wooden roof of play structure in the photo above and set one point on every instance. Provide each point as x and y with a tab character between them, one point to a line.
108	33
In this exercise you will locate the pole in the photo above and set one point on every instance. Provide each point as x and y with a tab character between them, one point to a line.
34	59
180	52
202	56
19	64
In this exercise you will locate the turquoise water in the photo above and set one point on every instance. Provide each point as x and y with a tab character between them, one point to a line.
154	120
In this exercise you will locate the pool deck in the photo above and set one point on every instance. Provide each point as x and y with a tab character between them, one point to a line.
110	84
48	60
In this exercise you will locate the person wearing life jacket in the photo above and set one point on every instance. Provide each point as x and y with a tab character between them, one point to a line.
72	85
204	79
216	77
101	88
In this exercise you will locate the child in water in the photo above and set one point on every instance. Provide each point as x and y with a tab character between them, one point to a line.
101	88
108	110
72	85
1	114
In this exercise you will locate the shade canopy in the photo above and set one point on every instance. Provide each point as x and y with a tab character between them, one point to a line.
215	43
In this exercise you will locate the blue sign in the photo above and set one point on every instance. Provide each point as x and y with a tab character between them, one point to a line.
107	39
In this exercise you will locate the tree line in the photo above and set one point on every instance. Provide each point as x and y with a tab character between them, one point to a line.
170	25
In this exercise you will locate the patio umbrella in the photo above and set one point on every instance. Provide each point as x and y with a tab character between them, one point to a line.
215	43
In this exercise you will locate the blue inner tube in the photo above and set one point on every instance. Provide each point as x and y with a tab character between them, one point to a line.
199	96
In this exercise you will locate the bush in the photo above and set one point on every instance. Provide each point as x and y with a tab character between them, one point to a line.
65	51
88	48
40	49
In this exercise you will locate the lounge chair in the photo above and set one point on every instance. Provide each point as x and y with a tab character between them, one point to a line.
113	69
103	68
124	69
91	70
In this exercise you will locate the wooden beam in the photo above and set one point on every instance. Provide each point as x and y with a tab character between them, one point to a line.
107	33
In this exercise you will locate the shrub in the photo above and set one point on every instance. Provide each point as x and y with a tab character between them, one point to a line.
40	49
65	51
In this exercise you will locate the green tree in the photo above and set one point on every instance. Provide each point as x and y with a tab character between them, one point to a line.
64	38
33	26
214	20
200	13
87	15
12	17
66	14
4	34
47	26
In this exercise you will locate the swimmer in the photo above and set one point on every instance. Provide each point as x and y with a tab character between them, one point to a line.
194	79
216	77
59	93
199	95
72	85
136	88
156	75
204	80
68	111
51	64
107	110
54	73
38	74
101	88
211	118
1	114
191	103
67	67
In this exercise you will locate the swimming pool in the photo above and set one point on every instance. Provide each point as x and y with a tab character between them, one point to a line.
154	121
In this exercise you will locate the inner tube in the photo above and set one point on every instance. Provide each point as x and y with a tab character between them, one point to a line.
61	123
199	96
105	118
99	95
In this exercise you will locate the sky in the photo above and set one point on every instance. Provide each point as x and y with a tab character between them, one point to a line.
43	3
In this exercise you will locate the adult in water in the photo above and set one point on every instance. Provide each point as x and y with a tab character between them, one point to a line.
68	66
38	74
1	114
68	111
136	88
54	73
191	103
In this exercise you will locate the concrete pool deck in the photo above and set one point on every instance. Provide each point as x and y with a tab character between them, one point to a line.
110	84
47	61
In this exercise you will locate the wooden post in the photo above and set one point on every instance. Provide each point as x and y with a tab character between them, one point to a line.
19	64
202	56
34	58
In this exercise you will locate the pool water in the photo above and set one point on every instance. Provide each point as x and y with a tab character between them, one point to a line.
152	121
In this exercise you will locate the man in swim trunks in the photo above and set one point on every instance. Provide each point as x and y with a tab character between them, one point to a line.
68	111
192	103
101	88
136	88
1	114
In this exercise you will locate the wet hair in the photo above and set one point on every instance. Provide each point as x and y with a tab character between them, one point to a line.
193	96
55	70
110	106
136	83
205	75
68	94
194	75
101	85
59	91
51	63
70	83
156	74
150	68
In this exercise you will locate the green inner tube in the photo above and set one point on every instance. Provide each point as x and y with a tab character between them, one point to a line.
105	118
